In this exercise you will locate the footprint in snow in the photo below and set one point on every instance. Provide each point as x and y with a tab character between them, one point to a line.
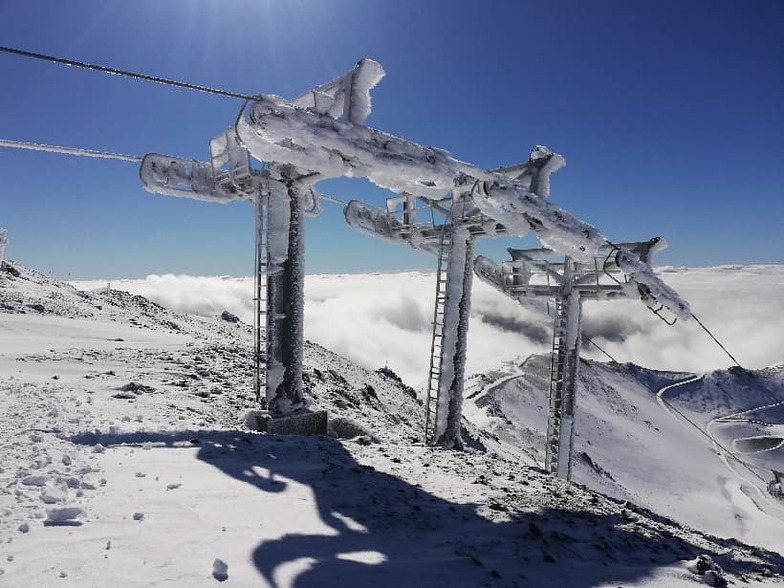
52	496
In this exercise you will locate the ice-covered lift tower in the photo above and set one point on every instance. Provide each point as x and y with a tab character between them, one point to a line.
283	195
447	227
541	273
320	135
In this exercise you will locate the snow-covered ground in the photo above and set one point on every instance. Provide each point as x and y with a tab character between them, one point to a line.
125	463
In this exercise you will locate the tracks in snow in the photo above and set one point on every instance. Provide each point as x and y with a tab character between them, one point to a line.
751	488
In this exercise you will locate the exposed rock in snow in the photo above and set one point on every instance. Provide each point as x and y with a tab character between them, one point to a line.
228	317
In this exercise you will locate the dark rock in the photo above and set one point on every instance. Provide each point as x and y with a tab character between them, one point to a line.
9	269
136	388
229	317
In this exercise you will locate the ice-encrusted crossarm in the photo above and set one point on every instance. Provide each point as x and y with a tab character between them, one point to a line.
276	131
651	289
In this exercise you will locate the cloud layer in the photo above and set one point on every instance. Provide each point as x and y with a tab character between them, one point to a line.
384	319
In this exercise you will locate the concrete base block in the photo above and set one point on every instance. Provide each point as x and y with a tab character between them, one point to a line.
309	423
256	420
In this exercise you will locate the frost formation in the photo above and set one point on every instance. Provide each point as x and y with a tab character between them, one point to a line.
319	135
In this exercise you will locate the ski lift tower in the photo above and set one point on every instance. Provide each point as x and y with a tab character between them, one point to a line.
282	196
448	229
541	273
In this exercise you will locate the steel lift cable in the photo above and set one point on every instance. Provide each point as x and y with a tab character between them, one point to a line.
125	73
729	453
592	342
712	336
69	150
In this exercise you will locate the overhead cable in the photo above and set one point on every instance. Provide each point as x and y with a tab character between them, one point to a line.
69	150
727	452
592	342
125	73
332	199
735	361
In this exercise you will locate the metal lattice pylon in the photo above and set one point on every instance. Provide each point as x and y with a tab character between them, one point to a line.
564	368
535	273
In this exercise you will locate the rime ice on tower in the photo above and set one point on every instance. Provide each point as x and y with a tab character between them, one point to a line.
540	273
320	135
282	195
447	228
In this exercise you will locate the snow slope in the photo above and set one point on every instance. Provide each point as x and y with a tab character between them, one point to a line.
125	464
700	452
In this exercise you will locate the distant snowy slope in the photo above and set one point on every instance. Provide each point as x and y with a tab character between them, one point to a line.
26	292
631	445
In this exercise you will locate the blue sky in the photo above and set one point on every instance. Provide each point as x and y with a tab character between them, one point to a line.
670	116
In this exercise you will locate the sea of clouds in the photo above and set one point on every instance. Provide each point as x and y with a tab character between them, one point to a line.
384	318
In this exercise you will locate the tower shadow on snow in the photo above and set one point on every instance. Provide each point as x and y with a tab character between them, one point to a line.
413	538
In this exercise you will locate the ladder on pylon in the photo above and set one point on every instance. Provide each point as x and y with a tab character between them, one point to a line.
436	345
260	295
558	377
